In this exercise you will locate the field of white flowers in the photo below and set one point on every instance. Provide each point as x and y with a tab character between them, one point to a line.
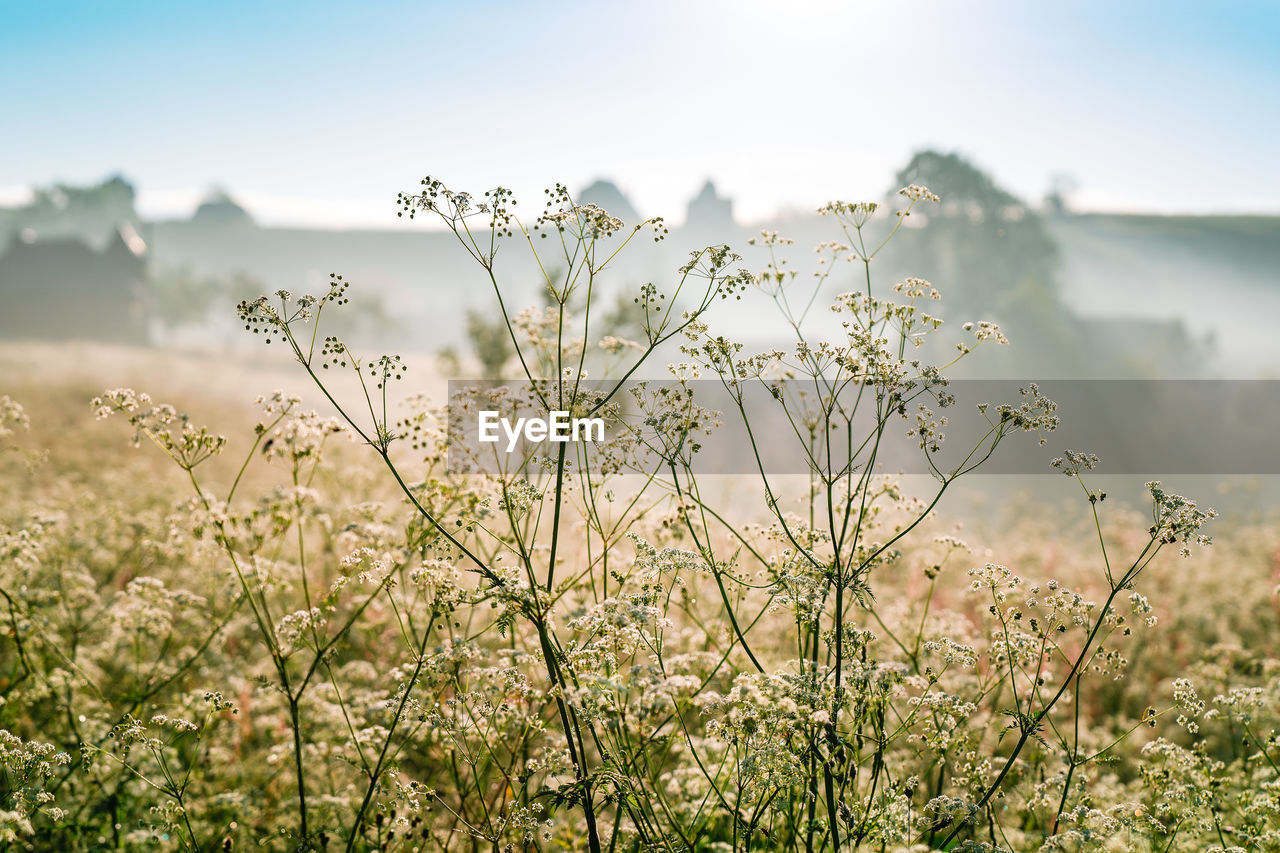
312	632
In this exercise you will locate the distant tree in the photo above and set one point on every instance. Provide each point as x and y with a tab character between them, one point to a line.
988	252
491	341
180	297
448	364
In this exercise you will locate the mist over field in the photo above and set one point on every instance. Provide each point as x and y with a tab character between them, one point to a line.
1158	296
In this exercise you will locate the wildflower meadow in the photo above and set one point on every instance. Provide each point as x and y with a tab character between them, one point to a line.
340	626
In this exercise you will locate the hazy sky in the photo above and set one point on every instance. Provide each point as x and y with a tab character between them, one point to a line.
319	112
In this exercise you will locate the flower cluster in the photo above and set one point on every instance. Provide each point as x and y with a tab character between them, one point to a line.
161	423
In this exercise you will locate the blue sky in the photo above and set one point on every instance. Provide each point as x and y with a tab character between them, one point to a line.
319	112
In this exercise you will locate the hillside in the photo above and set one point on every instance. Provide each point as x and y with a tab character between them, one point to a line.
1220	275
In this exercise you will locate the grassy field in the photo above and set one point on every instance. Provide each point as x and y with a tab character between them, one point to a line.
290	625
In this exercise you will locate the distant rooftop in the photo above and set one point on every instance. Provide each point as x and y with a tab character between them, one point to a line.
219	208
605	194
709	209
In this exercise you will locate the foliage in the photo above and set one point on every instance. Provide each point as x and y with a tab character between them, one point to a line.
995	254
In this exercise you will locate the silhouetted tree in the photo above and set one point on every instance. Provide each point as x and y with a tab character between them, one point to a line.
991	255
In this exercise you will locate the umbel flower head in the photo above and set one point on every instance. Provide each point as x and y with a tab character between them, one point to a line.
161	423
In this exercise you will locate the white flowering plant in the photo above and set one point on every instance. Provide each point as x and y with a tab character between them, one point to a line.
342	641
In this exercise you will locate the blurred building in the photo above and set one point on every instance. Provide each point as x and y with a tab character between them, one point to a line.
606	195
708	221
220	210
709	210
61	288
